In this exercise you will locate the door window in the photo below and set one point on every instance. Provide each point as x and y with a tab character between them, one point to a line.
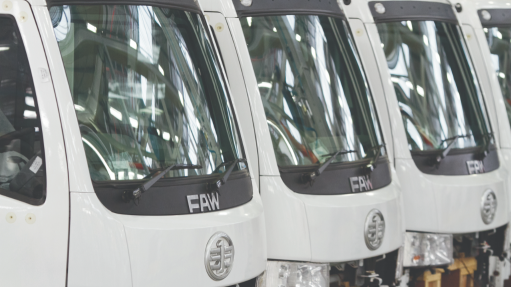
22	165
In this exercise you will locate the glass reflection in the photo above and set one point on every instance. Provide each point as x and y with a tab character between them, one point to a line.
435	84
499	40
146	89
313	90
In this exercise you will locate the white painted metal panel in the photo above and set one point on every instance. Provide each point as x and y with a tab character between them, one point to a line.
450	204
307	227
35	254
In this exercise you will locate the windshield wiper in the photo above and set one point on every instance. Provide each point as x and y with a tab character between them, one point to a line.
485	149
310	177
374	161
137	193
215	186
452	140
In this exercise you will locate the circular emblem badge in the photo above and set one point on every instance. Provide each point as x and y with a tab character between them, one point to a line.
219	257
374	229
488	206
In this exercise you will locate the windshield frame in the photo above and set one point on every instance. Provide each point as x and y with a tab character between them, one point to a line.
470	82
237	191
477	160
343	177
354	87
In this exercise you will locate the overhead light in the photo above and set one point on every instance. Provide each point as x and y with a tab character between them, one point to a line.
92	28
133	44
298	38
181	98
264	85
29	101
420	90
29	114
161	70
166	136
327	76
4	49
502	75
134	122
116	113
79	108
249	21
274	29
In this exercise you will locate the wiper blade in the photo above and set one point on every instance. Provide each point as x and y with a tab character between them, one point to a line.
374	161
485	149
137	193
452	141
310	177
215	186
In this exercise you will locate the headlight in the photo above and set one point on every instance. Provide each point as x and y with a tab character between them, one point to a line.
427	249
291	274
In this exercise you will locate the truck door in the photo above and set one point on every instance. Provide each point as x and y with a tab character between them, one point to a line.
34	194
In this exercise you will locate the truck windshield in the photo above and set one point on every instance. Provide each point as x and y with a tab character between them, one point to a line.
435	84
499	40
313	89
147	91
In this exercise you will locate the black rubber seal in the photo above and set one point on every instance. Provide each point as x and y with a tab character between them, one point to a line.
289	7
169	195
455	163
413	10
499	18
336	178
186	5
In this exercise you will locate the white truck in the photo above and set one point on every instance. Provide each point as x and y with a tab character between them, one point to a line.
121	159
446	144
332	201
487	26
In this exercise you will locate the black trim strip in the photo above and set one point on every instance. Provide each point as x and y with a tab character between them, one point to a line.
413	10
187	5
499	18
336	178
455	163
289	7
169	195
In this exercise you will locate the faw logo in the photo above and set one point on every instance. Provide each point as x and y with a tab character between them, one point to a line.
475	166
203	202
360	183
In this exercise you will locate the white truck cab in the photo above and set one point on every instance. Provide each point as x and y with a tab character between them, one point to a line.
330	192
446	144
487	26
121	159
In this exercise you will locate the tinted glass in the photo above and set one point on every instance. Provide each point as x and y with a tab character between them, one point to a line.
499	40
314	92
22	166
435	84
147	92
